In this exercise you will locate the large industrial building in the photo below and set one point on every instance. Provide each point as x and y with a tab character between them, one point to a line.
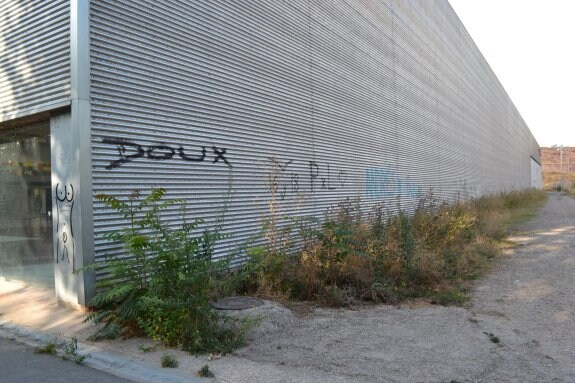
227	104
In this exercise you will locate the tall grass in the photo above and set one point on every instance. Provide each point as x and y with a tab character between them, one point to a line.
381	256
552	181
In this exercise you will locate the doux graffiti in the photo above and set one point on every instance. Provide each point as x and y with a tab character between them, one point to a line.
129	151
382	182
288	178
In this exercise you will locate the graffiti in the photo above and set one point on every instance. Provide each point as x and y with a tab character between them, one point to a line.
294	181
169	152
219	152
129	151
65	246
278	176
381	182
320	177
327	180
281	166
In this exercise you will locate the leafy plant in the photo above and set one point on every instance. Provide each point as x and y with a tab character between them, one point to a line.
50	348
146	348
166	278
70	352
205	372
169	361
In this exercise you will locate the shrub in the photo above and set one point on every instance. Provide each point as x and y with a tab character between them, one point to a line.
164	282
169	361
205	372
386	256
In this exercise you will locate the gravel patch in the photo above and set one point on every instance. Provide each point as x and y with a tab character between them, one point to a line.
519	328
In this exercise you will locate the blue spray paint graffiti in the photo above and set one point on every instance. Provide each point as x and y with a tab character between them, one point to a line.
382	182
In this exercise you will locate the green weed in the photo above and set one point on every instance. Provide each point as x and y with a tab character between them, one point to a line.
70	352
145	348
205	372
457	296
50	348
163	283
169	361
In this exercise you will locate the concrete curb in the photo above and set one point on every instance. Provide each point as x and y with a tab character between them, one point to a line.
108	361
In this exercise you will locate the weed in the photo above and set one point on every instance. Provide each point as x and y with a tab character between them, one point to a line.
205	372
552	180
457	296
111	330
164	282
50	348
144	348
70	352
169	361
385	256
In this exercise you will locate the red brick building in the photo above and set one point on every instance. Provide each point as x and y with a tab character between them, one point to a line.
556	166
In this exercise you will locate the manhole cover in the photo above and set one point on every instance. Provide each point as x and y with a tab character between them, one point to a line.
237	303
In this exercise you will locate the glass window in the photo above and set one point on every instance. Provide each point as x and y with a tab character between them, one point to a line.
26	251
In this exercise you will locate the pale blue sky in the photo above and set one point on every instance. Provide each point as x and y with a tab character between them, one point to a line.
530	45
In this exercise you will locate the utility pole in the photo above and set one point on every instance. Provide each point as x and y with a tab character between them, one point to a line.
560	149
562	175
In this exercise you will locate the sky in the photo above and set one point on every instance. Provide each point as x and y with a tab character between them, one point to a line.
530	45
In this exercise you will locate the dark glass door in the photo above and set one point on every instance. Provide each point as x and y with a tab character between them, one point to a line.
26	250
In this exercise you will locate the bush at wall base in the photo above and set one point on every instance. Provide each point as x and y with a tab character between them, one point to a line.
164	280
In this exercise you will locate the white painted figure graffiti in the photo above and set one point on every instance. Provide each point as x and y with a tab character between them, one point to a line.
65	246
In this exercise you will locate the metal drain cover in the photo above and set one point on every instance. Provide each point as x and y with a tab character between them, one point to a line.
237	303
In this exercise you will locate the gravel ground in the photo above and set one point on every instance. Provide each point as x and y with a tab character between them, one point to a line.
519	328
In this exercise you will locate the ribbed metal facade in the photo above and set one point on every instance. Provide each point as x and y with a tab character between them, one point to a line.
315	100
34	56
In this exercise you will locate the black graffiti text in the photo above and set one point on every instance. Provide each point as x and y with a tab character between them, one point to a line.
276	181
325	180
320	177
129	151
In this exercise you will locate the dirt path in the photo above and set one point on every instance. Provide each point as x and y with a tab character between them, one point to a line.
533	291
520	328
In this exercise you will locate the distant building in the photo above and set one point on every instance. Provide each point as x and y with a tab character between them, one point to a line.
558	167
553	162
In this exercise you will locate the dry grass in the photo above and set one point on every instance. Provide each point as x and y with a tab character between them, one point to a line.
552	181
384	257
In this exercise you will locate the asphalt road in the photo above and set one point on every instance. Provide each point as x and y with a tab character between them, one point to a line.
19	364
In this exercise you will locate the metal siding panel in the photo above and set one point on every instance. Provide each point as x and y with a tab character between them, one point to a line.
34	56
378	100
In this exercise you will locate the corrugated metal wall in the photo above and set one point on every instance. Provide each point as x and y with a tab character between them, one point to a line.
381	100
34	56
